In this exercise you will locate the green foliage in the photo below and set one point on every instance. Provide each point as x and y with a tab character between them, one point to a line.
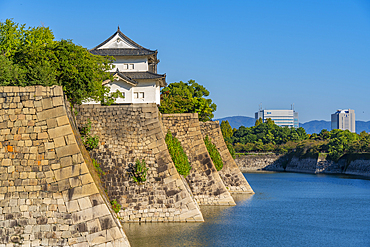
339	143
10	74
178	154
231	149
32	57
115	206
180	97
227	131
266	137
88	140
258	122
213	152
139	172
97	168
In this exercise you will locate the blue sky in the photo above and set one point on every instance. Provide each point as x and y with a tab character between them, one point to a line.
313	53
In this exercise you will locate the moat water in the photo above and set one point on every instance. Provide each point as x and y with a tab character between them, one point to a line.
288	209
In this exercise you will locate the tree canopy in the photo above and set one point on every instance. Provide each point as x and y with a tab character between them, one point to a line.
31	56
187	97
227	131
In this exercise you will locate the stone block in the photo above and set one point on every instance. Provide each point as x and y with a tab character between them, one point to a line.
67	150
51	113
47	103
72	206
84	190
63	120
86	179
60	131
59	142
57	90
97	238
66	161
51	123
84	203
57	101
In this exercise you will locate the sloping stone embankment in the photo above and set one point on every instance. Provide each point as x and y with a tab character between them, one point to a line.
270	162
133	132
230	173
204	180
48	196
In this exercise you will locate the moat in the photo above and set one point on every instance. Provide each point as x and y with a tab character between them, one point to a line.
288	209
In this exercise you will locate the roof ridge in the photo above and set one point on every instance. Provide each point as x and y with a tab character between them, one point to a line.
123	36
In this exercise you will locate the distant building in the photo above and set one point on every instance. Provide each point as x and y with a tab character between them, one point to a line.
135	71
343	120
281	118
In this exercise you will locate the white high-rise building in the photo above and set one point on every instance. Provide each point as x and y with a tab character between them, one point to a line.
281	118
343	120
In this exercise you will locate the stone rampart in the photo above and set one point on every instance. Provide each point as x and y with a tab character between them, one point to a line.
204	180
230	173
359	165
257	162
133	132
48	195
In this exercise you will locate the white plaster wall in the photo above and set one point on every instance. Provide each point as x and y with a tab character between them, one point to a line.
150	92
123	87
140	64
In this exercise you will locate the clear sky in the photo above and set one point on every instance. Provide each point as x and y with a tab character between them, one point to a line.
313	53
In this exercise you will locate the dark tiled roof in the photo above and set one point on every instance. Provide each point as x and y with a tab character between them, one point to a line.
143	75
133	76
122	52
124	77
116	52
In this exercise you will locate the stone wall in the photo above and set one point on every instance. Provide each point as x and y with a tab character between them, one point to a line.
230	173
133	132
359	167
270	162
48	196
258	162
204	180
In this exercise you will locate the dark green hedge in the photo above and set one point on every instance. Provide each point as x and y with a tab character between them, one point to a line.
178	154
213	152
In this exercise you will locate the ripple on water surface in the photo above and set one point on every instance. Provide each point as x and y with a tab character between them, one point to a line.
288	209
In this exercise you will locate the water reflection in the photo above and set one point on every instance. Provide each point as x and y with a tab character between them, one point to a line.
177	234
287	210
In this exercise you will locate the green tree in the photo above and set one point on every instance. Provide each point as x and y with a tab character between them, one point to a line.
180	97
10	74
258	122
227	131
31	56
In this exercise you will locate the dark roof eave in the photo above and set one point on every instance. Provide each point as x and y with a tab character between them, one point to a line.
122	52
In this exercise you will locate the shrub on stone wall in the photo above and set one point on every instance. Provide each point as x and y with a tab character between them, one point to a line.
97	168
213	152
88	140
178	154
116	206
139	171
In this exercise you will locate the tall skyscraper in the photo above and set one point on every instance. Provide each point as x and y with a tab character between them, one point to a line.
343	120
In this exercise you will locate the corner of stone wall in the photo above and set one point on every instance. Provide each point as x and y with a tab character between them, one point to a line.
204	180
230	173
48	195
128	133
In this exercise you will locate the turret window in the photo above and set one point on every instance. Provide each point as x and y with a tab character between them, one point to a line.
128	66
139	95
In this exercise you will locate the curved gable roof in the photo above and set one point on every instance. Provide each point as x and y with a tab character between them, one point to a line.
133	49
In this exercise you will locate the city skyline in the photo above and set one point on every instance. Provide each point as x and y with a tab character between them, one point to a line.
313	54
